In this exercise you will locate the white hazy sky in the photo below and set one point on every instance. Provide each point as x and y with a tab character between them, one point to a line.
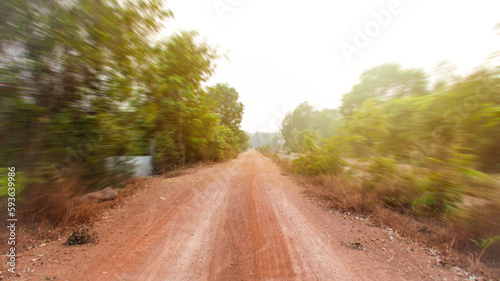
282	53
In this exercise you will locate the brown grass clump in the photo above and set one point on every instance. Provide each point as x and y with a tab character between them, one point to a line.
82	235
49	211
344	197
286	165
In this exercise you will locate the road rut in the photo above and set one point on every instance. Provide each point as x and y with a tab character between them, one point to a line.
239	220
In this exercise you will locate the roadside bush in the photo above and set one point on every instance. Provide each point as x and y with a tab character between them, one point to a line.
311	164
223	146
265	149
399	193
316	161
441	196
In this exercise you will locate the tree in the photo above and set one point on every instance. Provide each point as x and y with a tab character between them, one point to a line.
226	105
384	82
368	125
304	120
70	67
445	75
182	118
295	125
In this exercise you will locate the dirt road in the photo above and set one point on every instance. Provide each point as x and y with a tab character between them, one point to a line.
240	220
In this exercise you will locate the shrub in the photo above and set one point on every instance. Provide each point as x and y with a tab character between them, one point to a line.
316	161
441	195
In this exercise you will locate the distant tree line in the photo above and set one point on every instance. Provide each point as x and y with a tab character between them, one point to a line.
260	139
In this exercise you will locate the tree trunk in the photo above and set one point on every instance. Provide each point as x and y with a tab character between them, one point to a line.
180	139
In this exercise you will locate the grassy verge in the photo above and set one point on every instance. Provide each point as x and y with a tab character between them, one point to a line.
50	212
417	202
53	210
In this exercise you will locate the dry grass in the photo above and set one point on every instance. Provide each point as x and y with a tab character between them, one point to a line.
175	173
451	236
49	212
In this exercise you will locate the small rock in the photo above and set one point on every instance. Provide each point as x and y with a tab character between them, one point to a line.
102	195
355	246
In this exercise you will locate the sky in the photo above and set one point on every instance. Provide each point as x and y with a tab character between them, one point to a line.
282	53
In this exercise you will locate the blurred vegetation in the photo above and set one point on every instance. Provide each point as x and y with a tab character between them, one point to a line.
303	120
427	152
260	139
86	80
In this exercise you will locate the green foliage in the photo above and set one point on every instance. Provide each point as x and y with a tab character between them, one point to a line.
387	81
445	141
259	139
226	105
309	143
89	80
381	168
367	126
412	127
304	120
400	195
20	182
266	149
441	195
224	144
68	68
484	244
318	161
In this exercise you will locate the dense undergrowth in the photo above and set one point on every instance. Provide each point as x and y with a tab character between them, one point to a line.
424	160
437	207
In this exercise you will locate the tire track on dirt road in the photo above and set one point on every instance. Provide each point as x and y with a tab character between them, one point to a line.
239	220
